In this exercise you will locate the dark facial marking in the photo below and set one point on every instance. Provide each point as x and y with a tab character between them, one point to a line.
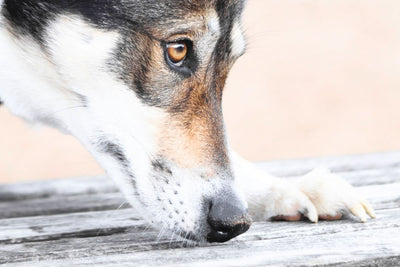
115	151
160	166
33	16
83	99
29	16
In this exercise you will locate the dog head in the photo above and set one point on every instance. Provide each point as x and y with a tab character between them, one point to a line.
140	83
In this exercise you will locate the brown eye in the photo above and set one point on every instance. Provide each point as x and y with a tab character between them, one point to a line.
177	52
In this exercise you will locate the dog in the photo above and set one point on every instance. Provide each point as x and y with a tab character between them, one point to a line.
139	83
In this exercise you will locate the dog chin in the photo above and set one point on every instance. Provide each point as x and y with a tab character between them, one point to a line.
191	231
192	238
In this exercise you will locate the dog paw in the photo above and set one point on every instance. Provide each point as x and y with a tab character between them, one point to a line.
332	196
287	203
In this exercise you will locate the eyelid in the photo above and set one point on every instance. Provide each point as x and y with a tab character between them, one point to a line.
178	37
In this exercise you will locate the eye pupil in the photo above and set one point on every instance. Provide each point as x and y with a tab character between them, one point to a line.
177	51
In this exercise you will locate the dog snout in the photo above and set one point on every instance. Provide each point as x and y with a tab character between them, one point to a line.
227	219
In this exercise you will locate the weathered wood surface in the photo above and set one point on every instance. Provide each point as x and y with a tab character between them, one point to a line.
86	221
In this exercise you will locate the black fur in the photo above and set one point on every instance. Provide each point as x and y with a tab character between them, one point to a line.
32	16
83	99
160	166
115	151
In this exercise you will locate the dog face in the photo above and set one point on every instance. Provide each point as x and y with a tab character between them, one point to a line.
140	84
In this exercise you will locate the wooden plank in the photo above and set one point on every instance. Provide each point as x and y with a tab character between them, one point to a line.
19	230
347	163
358	170
59	187
87	199
62	204
266	243
372	176
382	196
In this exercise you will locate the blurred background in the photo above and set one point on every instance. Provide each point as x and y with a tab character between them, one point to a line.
320	78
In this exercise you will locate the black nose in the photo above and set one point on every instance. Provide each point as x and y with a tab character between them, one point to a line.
227	218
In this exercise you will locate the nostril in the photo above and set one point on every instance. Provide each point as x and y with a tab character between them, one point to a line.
227	221
222	231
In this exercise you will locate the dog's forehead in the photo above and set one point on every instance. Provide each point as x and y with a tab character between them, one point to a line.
173	8
126	15
173	14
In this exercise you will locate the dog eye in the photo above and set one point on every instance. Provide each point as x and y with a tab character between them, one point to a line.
177	51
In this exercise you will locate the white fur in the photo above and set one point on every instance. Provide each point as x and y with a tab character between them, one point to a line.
238	40
213	24
209	37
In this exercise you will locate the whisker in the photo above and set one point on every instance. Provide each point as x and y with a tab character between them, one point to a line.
147	228
68	108
122	204
172	237
161	233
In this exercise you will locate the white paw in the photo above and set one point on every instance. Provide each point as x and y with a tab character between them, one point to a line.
287	202
332	195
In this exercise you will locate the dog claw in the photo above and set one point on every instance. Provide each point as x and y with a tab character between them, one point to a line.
312	215
358	211
370	211
309	210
